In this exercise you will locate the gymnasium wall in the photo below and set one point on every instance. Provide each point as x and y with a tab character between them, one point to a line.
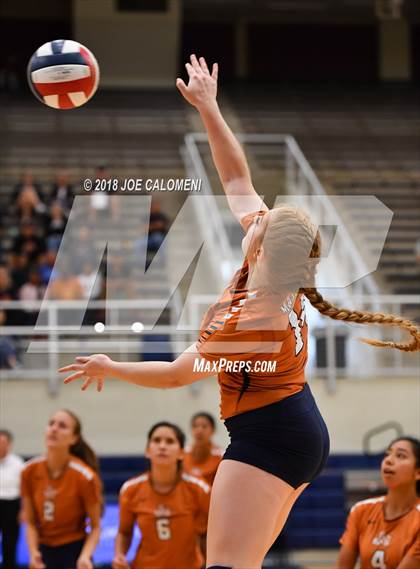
116	420
135	49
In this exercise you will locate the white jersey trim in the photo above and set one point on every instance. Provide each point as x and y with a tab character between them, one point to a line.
87	473
368	501
137	480
197	481
34	460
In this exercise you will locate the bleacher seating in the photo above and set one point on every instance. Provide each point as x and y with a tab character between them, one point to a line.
359	142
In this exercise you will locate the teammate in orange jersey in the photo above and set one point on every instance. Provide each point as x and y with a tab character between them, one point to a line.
279	441
169	506
60	490
203	457
384	532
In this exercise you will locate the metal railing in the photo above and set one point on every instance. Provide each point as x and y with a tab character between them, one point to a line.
301	181
53	339
359	361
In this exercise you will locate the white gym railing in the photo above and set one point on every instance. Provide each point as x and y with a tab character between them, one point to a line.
332	343
300	180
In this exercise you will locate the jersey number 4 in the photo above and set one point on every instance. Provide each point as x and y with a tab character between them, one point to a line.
378	560
163	529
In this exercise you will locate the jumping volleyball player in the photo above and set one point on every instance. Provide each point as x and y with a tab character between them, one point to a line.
279	441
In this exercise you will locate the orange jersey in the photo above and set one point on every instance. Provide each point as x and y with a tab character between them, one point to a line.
169	523
237	331
60	505
205	469
382	543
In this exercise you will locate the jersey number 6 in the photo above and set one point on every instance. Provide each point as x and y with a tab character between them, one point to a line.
378	560
163	529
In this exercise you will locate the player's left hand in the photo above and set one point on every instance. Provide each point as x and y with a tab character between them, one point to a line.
90	369
84	563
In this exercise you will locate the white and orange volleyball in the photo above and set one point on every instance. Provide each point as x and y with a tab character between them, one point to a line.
63	74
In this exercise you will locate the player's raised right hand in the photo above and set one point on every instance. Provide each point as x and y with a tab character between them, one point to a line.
202	86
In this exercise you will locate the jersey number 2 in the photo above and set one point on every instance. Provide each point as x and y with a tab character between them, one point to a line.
378	560
48	511
163	529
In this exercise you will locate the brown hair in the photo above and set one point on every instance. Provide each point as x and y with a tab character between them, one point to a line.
292	266
81	449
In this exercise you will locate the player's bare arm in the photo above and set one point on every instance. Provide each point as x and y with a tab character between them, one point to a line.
228	155
347	558
162	375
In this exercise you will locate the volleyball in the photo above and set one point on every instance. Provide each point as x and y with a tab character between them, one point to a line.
63	74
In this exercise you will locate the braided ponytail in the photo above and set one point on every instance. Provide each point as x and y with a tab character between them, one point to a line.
291	237
362	317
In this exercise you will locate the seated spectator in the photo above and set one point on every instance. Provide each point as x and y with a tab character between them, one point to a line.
158	228
90	281
417	251
28	242
55	224
5	284
62	191
27	198
64	286
3	234
103	202
29	292
83	249
6	293
46	266
8	359
19	266
119	279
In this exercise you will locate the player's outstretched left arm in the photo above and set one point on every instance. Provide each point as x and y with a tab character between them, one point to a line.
98	367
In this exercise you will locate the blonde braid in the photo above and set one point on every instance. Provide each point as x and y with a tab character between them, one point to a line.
362	317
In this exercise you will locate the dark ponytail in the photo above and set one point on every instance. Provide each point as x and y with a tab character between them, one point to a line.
81	449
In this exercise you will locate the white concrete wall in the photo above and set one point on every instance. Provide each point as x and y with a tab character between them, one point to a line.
116	420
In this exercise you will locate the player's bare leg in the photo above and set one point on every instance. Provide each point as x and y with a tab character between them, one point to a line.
244	514
285	511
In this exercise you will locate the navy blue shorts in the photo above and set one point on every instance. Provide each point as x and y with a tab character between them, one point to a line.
61	556
288	438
